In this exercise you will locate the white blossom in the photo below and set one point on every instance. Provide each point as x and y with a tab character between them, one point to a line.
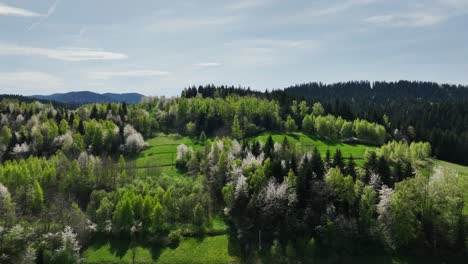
375	180
128	130
182	150
4	120
4	192
108	226
236	148
65	140
21	149
241	186
236	173
90	226
19	119
69	241
277	147
283	164
250	159
274	195
384	210
307	155
135	143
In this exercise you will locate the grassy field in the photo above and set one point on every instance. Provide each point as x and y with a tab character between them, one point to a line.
163	148
190	250
161	153
462	170
307	143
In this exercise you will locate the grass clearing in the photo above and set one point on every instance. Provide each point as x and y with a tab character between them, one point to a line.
307	143
163	150
190	250
463	171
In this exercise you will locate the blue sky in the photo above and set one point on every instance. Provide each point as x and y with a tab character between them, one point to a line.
159	47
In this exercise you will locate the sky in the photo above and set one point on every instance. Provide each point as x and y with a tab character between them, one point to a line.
160	47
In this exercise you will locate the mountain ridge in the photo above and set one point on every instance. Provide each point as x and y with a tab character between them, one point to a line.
87	97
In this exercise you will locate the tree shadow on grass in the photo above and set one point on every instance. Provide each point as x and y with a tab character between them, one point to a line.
119	246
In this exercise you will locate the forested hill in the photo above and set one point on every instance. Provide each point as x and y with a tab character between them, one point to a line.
380	91
27	99
85	97
413	111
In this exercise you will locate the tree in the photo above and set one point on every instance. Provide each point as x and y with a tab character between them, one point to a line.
199	218
190	128
123	214
338	160
5	135
351	167
7	207
69	253
202	137
236	129
317	109
367	208
308	124
157	217
38	197
290	124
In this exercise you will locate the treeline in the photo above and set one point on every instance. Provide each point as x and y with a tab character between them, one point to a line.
41	130
248	116
412	111
283	204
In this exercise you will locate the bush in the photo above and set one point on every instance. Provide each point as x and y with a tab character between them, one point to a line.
174	237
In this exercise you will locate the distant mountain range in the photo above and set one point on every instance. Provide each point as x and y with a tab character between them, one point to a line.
87	97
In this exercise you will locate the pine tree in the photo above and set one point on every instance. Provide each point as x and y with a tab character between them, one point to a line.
338	160
269	147
157	218
351	168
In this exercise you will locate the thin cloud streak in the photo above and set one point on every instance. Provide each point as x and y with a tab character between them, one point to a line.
72	54
6	10
50	11
132	73
208	64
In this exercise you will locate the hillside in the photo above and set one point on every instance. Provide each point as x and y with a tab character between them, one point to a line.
86	97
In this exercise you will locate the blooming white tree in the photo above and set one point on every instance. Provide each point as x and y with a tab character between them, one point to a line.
242	188
274	197
236	148
375	180
250	159
384	210
135	143
182	150
21	150
28	256
70	242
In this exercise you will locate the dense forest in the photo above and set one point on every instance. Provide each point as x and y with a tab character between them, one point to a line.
72	176
411	111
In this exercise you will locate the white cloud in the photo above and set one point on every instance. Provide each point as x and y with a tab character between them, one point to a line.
422	15
27	80
246	4
207	64
15	11
104	75
64	54
339	7
175	24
